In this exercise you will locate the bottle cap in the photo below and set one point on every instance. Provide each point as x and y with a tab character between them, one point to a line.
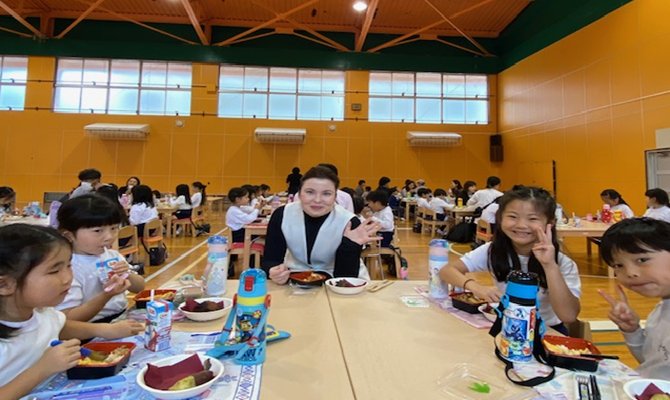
217	239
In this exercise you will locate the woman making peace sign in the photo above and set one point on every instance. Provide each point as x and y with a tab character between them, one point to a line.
524	239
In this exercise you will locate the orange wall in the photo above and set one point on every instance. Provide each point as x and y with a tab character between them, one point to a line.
592	102
44	151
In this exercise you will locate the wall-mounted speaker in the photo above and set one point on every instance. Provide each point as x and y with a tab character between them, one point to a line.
496	148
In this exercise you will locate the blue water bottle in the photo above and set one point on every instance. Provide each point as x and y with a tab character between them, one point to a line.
216	272
519	316
253	306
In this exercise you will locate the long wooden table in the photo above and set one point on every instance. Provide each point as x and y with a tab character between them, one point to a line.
588	230
255	229
409	202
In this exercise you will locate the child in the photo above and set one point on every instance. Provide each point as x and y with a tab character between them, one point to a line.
101	275
394	203
110	191
183	201
251	191
639	251
657	201
489	213
7	196
236	217
368	189
157	196
423	200
89	181
143	209
382	213
359	207
199	196
486	196
34	277
616	202
469	188
360	189
439	204
264	192
525	240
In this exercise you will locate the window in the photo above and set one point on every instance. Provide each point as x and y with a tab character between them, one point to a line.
426	97
281	93
13	77
123	87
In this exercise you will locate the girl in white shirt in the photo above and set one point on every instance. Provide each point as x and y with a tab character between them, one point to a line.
616	202
199	196
35	276
143	209
183	201
525	240
236	217
657	201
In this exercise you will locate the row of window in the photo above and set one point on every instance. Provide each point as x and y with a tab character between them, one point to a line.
164	88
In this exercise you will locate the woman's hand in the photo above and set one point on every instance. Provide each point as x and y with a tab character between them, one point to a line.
365	233
544	249
621	313
491	294
279	274
60	358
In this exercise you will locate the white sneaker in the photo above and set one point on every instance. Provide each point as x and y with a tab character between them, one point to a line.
178	231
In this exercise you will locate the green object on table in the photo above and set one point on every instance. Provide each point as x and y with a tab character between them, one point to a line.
480	387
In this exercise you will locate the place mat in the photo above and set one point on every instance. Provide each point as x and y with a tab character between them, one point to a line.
238	382
476	320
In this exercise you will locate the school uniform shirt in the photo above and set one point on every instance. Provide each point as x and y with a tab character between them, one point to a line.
236	217
344	199
483	197
141	214
421	202
385	218
86	284
478	261
196	199
651	345
180	203
625	210
489	213
661	213
440	206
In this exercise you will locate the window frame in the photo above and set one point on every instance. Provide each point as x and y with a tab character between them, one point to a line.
13	83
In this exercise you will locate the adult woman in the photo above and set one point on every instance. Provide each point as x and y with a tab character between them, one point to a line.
293	181
318	234
130	183
469	188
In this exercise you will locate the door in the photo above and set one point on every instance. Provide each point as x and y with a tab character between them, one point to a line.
658	169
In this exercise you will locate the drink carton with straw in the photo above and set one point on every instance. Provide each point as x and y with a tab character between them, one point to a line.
159	324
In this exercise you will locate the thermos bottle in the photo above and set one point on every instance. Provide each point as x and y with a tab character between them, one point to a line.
519	316
438	258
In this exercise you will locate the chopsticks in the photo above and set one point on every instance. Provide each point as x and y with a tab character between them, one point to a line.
600	356
588	389
595	390
379	286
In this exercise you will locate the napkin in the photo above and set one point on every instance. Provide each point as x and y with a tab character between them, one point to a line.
194	306
648	392
162	378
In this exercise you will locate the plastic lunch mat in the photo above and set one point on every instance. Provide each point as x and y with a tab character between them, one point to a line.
239	382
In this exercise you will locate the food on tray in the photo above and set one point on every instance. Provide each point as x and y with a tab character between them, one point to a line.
346	283
489	310
169	296
186	374
469	298
563	350
197	379
100	358
308	277
204	306
653	392
660	397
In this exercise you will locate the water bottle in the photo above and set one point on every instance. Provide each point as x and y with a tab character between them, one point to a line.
559	215
438	258
606	214
252	302
216	272
519	317
459	202
290	198
275	203
617	216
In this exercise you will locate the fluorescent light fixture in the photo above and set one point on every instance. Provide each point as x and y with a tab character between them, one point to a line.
360	6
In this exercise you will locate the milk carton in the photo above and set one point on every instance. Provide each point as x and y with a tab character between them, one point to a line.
159	325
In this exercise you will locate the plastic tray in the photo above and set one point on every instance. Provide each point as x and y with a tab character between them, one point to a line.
146	294
472	308
458	382
104	370
299	278
572	362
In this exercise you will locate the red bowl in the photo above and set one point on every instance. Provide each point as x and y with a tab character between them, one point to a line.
102	370
571	361
302	278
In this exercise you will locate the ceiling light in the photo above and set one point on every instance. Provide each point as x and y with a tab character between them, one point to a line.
360	6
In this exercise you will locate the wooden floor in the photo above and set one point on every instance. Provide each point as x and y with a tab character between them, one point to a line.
188	256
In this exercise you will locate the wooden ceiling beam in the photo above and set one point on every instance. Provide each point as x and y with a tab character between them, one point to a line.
194	21
448	43
278	17
123	17
405	36
331	42
465	35
22	21
369	15
260	35
83	15
15	32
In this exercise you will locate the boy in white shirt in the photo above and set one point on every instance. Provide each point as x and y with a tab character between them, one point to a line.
657	201
486	196
378	203
423	197
439	204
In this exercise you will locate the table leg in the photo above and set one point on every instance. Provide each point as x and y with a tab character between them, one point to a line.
247	250
588	246
407	212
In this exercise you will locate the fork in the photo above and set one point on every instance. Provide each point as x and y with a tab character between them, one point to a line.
583	387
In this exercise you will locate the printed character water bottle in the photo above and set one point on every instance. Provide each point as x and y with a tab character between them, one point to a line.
252	301
438	258
519	316
559	215
606	214
617	216
216	272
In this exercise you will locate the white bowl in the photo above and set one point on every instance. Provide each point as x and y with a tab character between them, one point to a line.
208	315
217	368
490	317
637	386
330	284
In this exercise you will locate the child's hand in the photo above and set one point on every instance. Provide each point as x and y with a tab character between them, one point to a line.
365	233
117	284
544	249
60	358
489	293
123	329
279	274
121	267
621	313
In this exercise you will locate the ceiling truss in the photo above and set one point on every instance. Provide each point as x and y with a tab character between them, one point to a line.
281	23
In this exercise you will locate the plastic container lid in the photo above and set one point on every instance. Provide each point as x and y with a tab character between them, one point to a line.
217	239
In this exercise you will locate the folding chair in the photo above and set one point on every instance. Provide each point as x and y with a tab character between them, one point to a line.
153	237
128	244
